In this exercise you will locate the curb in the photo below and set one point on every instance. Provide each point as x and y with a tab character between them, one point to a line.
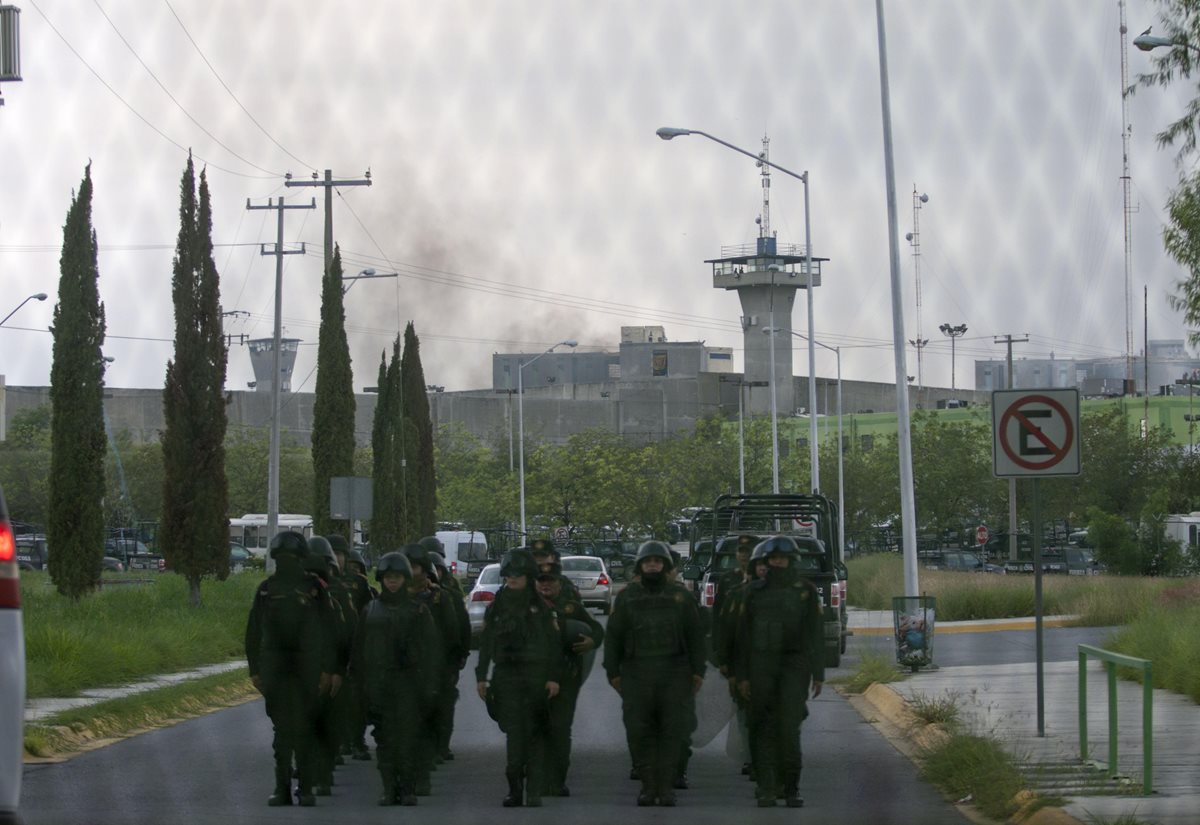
896	712
984	626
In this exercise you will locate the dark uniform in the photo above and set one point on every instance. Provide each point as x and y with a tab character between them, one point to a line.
340	620
730	590
351	708
654	654
449	692
778	652
523	640
290	659
577	624
397	663
451	649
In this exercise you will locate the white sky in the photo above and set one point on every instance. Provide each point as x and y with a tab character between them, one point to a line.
522	194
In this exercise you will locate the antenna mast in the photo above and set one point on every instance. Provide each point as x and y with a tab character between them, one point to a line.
1127	208
914	238
764	220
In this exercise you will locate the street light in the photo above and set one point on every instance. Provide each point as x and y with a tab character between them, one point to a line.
521	418
40	296
741	384
667	133
954	332
1147	42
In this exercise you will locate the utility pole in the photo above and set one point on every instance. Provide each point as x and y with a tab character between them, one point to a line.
273	460
329	183
914	238
954	331
1012	482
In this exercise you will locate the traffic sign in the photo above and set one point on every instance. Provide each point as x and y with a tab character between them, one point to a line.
1035	433
561	534
981	534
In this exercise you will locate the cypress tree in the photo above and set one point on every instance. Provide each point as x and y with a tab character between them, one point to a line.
333	407
422	480
397	509
383	480
75	527
194	532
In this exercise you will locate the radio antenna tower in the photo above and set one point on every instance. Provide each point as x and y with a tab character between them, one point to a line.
1127	209
764	220
914	238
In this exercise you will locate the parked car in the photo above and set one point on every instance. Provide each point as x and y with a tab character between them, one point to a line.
481	595
960	560
134	554
239	558
12	673
590	577
33	553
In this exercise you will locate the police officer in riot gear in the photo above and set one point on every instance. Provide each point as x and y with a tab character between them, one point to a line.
291	659
340	619
779	652
351	708
654	652
448	695
521	663
396	660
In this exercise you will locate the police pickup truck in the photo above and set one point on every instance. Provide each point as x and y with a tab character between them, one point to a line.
810	519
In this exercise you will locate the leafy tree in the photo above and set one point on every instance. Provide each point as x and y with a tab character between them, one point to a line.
25	465
194	531
421	475
1181	239
333	408
475	487
75	523
247	455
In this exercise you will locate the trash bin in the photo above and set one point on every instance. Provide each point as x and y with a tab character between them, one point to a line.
914	618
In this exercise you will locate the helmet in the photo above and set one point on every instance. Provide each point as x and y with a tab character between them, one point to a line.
417	555
393	563
654	550
289	543
549	569
355	557
436	560
773	545
338	543
432	544
544	547
738	544
320	558
518	562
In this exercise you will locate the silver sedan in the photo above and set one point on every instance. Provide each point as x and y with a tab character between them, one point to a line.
481	595
590	577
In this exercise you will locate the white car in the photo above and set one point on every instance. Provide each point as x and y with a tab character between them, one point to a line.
590	577
481	595
12	673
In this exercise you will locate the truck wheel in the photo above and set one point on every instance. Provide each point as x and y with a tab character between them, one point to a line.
843	645
833	657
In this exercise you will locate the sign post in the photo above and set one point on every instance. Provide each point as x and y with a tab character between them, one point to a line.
1035	434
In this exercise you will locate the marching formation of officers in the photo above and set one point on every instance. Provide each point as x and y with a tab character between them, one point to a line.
332	656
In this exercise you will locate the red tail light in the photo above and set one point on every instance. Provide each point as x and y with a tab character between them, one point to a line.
10	585
710	594
8	545
454	567
835	595
602	580
483	596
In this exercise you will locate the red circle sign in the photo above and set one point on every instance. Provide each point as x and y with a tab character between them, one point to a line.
1057	452
981	534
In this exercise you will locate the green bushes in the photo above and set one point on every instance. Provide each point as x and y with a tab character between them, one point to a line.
126	631
1166	634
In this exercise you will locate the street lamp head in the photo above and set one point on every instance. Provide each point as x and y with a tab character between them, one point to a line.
367	272
1147	41
570	342
668	132
41	296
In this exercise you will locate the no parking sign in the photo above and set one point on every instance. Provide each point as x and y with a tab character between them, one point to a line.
1035	433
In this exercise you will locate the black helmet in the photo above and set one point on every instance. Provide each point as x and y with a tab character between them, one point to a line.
432	544
544	547
355	557
518	562
289	543
738	544
785	545
338	543
436	560
654	550
417	555
320	558
393	563
549	569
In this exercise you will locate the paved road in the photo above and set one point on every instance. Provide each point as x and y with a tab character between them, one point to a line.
992	648
216	769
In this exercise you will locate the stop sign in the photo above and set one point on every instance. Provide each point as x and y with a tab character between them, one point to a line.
981	534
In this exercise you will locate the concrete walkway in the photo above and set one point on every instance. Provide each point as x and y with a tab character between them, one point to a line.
1001	701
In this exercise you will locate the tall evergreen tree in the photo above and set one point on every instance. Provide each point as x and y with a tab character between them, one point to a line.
194	532
383	480
75	528
416	411
333	408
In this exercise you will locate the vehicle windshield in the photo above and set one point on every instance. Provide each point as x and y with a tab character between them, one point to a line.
490	575
473	551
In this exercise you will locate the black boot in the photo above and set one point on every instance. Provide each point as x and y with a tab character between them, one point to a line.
283	787
387	774
514	798
533	794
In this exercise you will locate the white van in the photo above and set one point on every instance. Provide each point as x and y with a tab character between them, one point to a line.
466	553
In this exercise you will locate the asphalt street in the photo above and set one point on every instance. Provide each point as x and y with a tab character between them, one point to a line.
217	769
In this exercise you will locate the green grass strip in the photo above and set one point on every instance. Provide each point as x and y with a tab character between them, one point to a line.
72	730
977	767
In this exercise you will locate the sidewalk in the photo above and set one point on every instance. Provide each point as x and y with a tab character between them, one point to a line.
1001	701
38	709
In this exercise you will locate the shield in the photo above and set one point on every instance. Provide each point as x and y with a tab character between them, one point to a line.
574	629
714	709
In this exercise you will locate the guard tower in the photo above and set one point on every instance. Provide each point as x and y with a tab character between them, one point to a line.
766	275
261	350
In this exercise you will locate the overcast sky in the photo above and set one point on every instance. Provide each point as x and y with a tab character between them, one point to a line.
521	193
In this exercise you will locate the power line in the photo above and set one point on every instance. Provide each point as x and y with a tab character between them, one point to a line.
129	106
229	91
167	92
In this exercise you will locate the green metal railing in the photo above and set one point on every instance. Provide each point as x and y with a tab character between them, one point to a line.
1111	660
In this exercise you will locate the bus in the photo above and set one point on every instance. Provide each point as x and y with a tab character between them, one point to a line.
250	530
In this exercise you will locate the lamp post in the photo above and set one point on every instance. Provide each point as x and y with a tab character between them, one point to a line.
954	332
1147	42
40	296
521	418
666	133
742	383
